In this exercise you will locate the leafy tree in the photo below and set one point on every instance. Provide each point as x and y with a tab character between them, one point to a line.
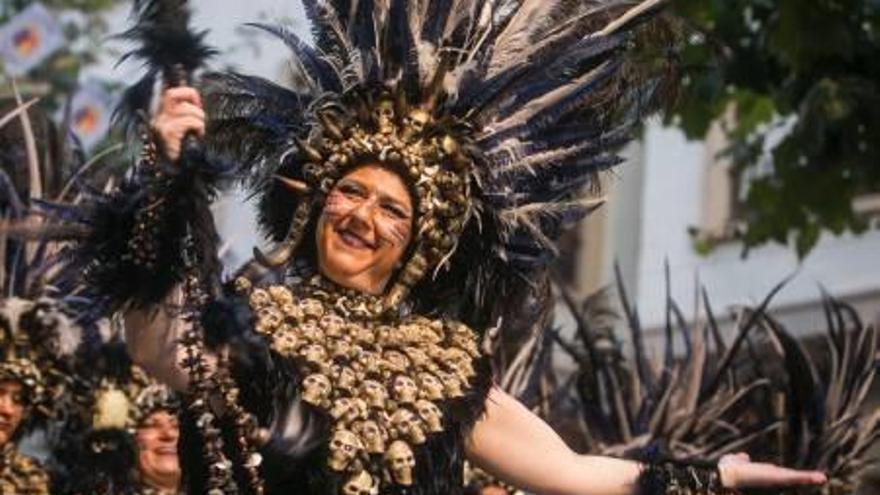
807	71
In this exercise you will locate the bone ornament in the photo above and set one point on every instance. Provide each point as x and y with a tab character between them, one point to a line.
399	463
344	448
361	484
382	382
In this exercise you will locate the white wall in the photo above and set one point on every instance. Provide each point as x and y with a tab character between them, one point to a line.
848	267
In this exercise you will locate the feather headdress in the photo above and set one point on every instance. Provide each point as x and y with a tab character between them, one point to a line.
519	103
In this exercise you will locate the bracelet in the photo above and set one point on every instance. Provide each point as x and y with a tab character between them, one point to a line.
672	478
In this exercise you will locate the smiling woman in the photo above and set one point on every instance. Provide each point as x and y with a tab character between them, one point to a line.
364	229
436	153
158	463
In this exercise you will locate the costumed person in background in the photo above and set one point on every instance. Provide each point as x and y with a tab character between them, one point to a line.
38	340
20	383
414	181
129	444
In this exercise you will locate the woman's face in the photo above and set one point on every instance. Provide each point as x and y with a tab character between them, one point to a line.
11	410
157	446
365	229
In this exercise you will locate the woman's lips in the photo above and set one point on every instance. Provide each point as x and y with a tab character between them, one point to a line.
166	450
353	240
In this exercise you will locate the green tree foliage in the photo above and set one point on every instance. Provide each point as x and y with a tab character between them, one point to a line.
802	78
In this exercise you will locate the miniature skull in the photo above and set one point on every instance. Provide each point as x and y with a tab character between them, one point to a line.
243	285
361	484
285	342
310	331
342	349
418	357
315	354
404	388
384	115
312	308
408	426
369	363
395	361
386	335
431	415
451	385
292	311
259	298
316	389
362	335
344	448
281	294
269	319
430	387
416	122
372	436
340	407
345	378
400	461
374	394
332	325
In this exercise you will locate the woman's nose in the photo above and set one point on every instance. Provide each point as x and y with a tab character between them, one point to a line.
363	212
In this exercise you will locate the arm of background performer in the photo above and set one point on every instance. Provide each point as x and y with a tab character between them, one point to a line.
152	336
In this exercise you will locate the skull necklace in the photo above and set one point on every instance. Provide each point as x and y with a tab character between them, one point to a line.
382	381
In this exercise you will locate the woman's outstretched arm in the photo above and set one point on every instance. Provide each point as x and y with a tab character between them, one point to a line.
521	449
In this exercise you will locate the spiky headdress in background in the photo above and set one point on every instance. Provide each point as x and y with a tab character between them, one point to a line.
39	331
497	113
97	452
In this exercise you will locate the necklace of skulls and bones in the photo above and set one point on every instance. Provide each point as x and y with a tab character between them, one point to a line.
380	381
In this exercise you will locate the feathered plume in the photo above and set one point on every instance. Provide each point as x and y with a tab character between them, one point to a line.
166	46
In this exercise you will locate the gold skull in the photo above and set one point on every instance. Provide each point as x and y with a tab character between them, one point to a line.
292	311
361	484
430	387
404	388
332	324
415	123
384	116
344	448
408	426
316	389
395	361
400	461
259	299
315	354
281	295
374	394
311	332
345	378
285	342
451	385
312	308
372	436
431	415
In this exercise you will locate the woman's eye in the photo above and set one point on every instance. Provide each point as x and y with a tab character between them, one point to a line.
350	190
395	211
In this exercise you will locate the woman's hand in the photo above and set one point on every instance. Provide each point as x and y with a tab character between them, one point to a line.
738	471
180	112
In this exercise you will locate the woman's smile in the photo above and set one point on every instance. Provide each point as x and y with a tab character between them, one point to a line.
353	240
